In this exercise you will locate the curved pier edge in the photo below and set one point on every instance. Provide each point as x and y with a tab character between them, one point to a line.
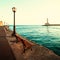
32	51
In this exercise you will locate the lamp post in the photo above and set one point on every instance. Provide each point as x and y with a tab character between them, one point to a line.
14	32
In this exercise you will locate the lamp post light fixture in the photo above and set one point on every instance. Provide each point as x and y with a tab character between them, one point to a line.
14	10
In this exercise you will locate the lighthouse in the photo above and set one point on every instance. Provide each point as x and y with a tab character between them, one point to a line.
47	23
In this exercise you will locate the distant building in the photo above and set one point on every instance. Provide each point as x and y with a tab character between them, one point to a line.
48	24
1	23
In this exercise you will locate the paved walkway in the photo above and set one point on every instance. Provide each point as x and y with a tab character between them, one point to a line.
5	50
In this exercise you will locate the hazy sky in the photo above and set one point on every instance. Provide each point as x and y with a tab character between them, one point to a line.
30	11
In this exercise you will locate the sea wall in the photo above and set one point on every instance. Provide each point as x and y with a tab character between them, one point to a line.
26	50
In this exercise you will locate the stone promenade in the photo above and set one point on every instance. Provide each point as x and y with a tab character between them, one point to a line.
5	49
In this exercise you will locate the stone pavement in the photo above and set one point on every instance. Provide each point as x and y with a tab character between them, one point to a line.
35	52
5	50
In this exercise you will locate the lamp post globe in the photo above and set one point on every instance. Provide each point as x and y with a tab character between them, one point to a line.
14	10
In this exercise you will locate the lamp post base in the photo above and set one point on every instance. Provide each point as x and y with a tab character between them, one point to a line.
13	34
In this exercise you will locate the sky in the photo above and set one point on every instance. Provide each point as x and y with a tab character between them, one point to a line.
30	12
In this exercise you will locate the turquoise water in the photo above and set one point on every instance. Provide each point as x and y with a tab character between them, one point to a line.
48	36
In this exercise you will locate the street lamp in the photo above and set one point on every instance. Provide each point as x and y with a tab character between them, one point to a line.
14	32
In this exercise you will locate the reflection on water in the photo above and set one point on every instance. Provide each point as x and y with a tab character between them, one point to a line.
48	36
47	29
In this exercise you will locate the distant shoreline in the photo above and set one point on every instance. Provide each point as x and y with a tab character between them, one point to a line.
51	25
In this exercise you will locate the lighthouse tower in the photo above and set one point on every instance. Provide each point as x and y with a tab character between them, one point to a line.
47	23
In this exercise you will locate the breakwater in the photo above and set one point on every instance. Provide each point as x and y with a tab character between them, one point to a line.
47	36
12	48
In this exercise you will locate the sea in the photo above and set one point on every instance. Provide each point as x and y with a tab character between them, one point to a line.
47	36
